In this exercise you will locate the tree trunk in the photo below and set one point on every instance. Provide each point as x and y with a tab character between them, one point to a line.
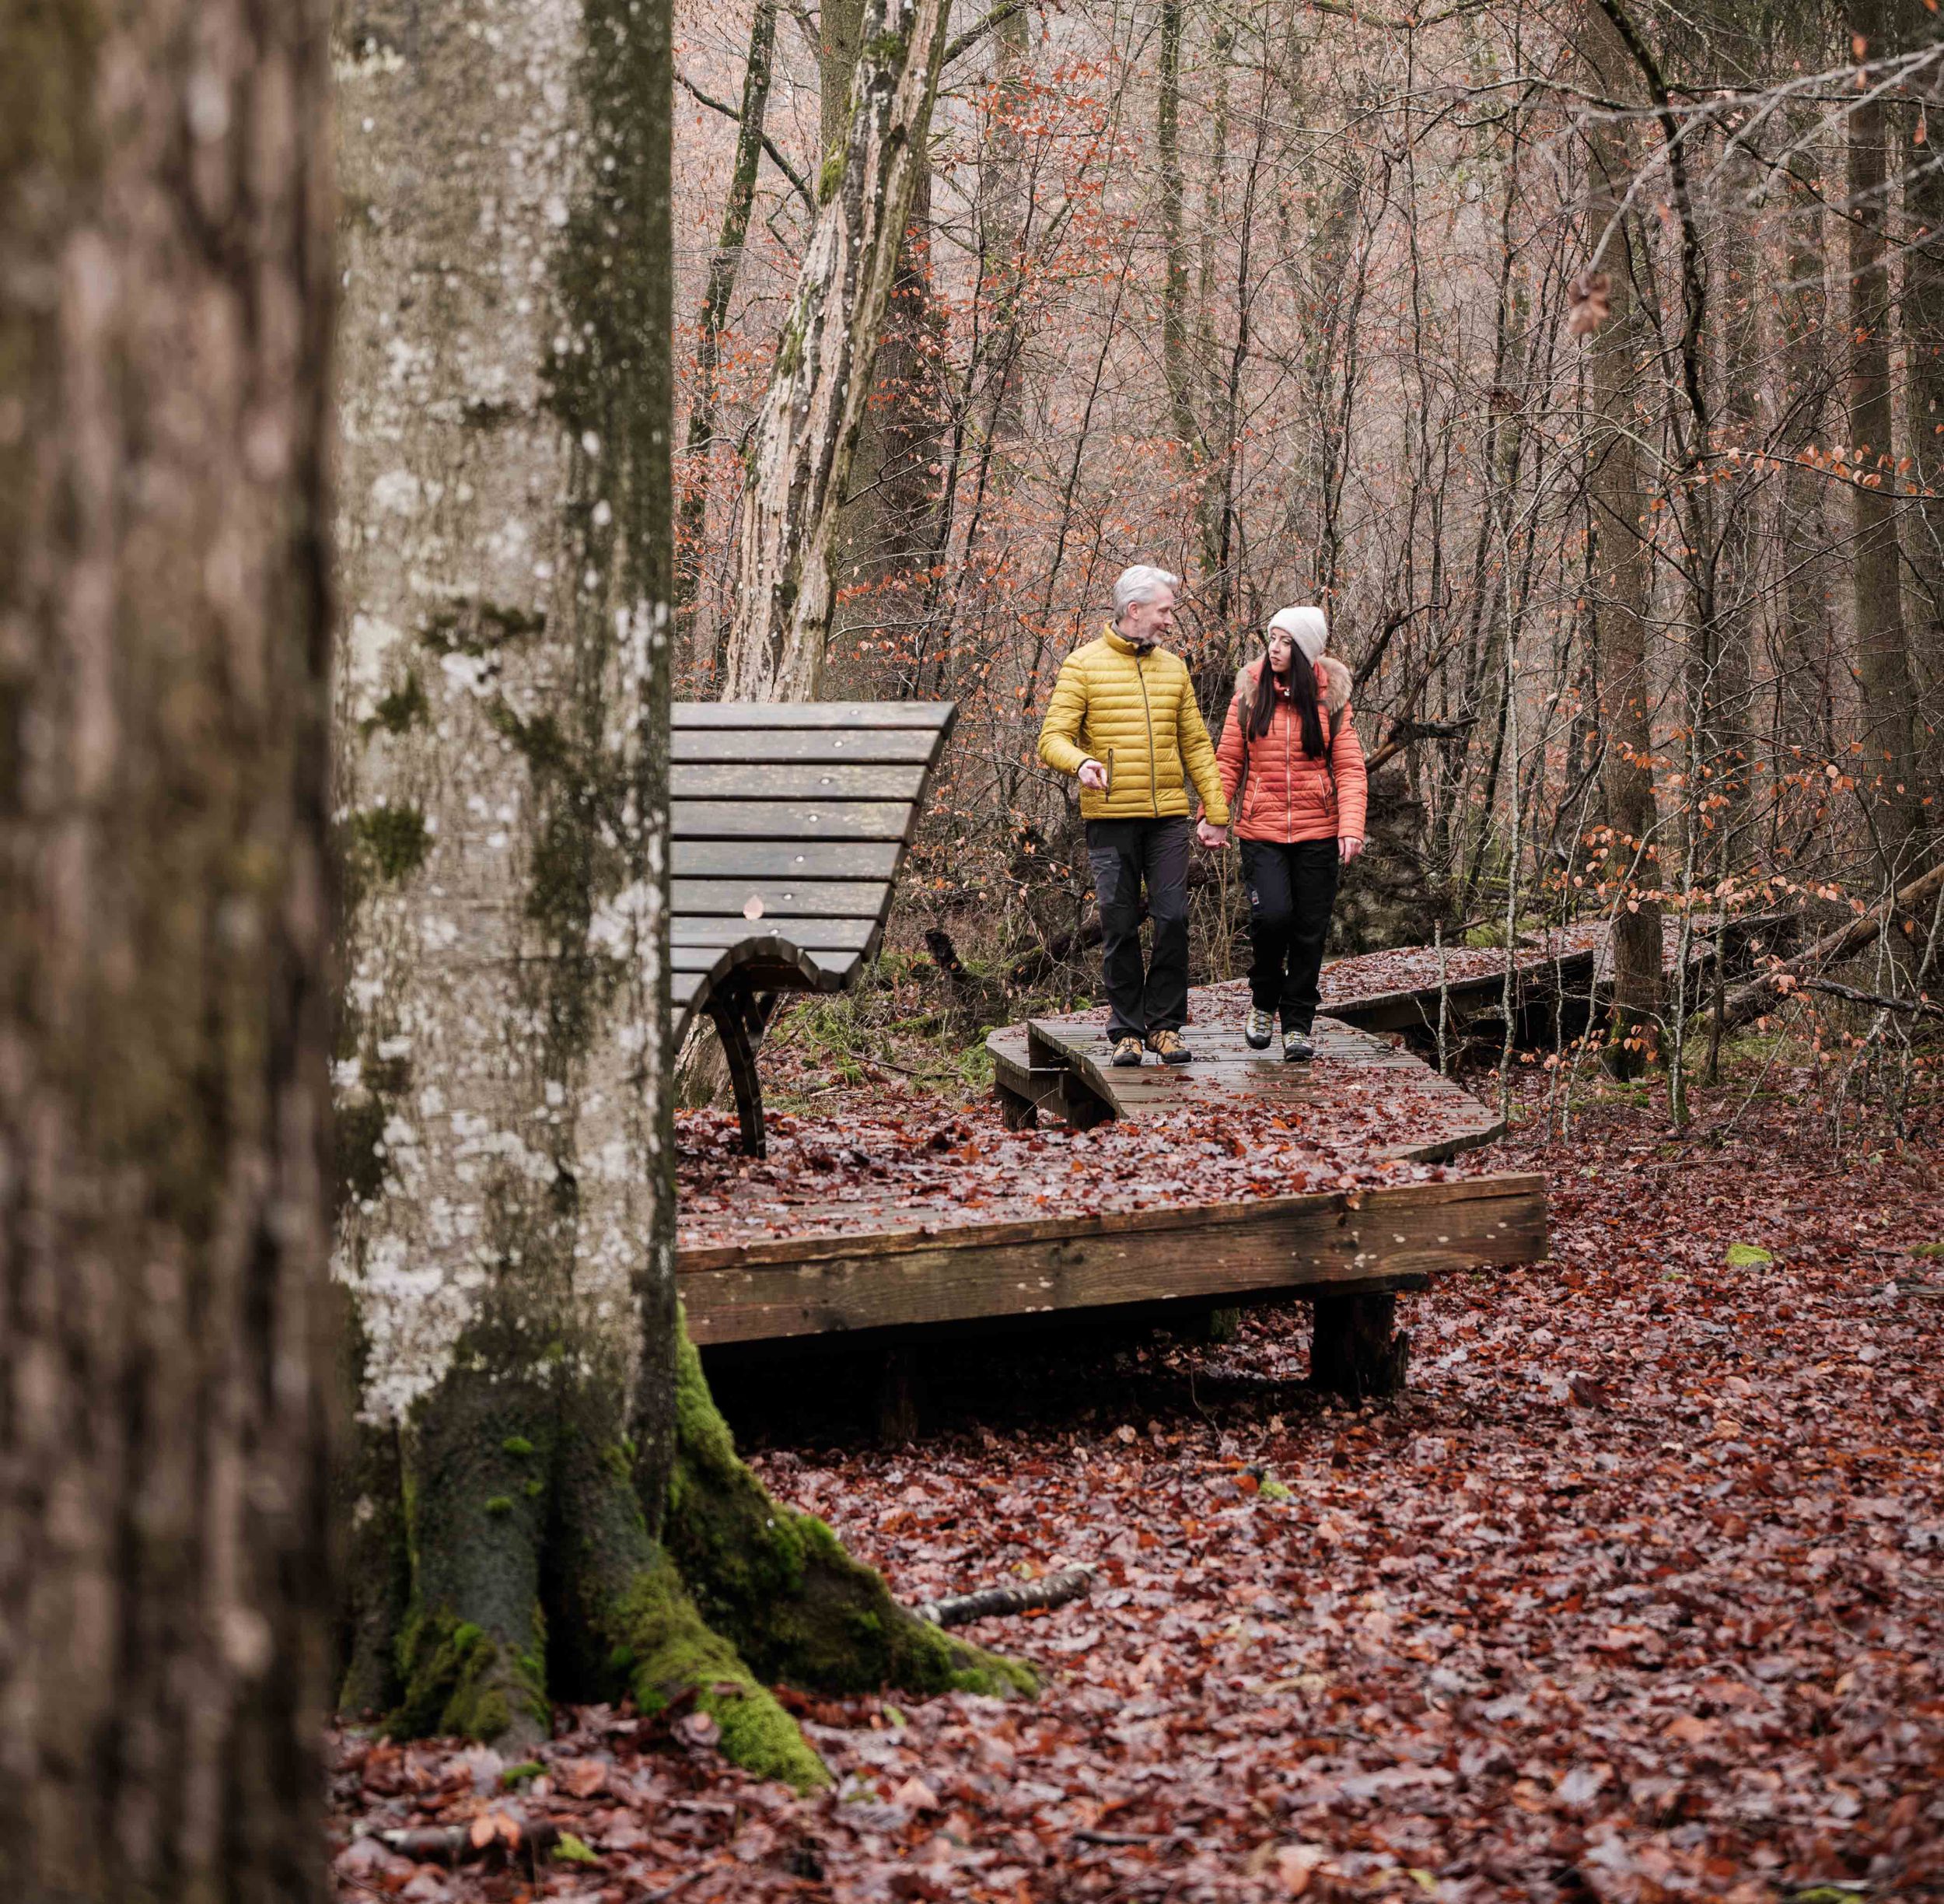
1924	335
1882	653
806	435
165	291
1177	368
1618	509
536	1436
692	532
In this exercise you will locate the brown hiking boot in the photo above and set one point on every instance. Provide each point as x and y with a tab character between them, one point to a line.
1168	1047
1127	1050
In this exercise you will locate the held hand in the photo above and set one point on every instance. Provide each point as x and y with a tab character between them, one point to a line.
1213	836
1349	846
1094	775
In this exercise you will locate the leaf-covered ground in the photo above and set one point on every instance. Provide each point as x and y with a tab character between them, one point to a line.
1639	1594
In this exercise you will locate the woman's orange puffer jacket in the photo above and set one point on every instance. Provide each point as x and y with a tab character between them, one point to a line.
1289	796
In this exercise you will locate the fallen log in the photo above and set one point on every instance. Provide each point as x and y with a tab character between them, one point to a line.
1764	993
1052	1590
502	1832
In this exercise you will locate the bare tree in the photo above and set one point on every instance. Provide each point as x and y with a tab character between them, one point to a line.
804	440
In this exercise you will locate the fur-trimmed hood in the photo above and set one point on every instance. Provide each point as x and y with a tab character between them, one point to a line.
1334	676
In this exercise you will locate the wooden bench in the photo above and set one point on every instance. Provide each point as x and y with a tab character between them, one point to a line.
789	823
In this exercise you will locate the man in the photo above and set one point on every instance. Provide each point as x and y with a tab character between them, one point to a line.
1123	720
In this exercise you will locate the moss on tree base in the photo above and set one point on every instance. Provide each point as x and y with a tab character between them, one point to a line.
534	1572
779	1584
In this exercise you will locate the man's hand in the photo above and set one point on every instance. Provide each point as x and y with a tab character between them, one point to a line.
1094	775
1349	846
1213	836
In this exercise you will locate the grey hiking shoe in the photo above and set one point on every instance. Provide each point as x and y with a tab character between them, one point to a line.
1296	1048
1127	1050
1258	1030
1168	1047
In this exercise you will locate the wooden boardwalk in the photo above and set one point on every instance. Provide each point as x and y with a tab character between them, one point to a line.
1060	1066
1400	990
922	1266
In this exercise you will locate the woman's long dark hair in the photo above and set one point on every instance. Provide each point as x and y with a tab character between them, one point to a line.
1302	695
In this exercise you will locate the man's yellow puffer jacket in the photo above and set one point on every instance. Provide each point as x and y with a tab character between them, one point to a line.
1135	712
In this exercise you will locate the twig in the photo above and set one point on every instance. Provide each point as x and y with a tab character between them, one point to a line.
1113	1838
1027	1597
1917	1008
796	179
975	34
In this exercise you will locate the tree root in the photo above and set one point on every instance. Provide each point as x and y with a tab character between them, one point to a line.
779	1585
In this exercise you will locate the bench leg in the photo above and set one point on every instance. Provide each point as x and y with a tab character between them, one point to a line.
1356	1351
731	1017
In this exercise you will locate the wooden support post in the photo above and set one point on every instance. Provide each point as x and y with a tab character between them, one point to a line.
1016	1110
899	1395
1356	1350
1083	1106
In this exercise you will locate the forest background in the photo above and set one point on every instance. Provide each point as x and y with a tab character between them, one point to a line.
1278	296
1585	363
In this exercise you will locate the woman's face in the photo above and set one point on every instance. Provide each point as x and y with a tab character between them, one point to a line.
1281	645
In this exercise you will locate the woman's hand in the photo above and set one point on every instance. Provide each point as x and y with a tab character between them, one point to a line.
1213	836
1349	846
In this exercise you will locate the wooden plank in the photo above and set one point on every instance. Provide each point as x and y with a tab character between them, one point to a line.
790	819
780	898
790	860
816	936
935	716
950	1227
736	746
828	781
1282	1246
1449	1119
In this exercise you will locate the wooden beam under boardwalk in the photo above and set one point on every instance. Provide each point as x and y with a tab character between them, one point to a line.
1312	1245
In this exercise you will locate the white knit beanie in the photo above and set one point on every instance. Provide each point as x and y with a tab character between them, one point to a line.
1308	627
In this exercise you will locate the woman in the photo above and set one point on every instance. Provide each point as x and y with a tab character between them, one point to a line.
1293	770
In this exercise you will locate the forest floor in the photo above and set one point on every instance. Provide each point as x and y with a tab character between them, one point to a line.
1639	1593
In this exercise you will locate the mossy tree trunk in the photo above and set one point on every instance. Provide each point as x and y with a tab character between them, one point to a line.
165	293
544	1500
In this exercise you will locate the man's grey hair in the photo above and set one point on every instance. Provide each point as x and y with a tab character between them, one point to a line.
1138	584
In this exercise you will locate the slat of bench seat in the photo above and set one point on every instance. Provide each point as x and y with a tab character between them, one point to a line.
807	935
792	820
725	898
817	781
762	747
833	860
932	715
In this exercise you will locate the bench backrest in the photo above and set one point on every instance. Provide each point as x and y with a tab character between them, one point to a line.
789	821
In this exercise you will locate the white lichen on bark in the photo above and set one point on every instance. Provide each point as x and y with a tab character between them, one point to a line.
498	1073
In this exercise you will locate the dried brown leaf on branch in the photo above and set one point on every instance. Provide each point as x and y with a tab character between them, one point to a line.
1590	303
